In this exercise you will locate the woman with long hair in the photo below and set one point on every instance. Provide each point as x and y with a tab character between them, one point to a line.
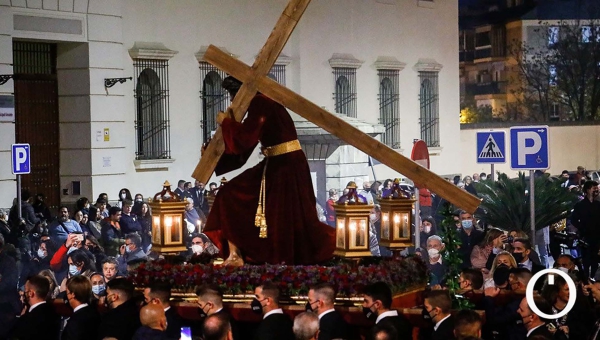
145	218
579	321
124	194
493	242
54	287
504	259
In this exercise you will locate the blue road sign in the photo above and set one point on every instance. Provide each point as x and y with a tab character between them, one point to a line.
21	159
529	149
491	147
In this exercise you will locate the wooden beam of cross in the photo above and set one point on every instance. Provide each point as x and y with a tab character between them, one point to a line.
341	129
261	67
254	79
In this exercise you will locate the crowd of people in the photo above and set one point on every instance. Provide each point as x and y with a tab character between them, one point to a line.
83	258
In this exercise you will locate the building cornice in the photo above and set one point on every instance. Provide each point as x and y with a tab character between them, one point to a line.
427	65
344	60
151	50
388	63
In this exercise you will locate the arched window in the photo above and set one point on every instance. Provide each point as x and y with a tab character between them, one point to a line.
152	120
429	117
388	107
213	101
345	91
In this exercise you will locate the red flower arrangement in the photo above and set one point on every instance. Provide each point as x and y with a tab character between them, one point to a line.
349	278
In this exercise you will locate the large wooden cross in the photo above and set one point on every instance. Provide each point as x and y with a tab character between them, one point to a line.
255	79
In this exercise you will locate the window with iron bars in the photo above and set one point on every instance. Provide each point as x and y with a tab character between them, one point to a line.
152	124
389	113
345	91
278	74
429	118
214	97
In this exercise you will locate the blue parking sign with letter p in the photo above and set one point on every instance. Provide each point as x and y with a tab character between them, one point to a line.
21	160
529	148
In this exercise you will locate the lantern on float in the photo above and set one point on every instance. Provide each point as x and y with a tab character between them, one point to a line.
396	218
352	224
167	221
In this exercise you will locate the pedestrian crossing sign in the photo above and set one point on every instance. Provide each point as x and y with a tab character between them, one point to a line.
491	147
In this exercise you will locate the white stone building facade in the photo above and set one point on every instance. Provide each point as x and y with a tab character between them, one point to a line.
412	43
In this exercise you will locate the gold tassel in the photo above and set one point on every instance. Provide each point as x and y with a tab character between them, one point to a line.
260	220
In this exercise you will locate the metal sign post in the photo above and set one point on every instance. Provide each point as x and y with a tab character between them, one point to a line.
21	164
532	205
19	197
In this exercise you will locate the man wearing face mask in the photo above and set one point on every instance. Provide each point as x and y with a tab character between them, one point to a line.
436	266
331	323
123	317
154	324
39	320
130	251
159	293
521	251
565	263
377	306
210	301
83	324
275	324
533	323
586	218
469	236
436	310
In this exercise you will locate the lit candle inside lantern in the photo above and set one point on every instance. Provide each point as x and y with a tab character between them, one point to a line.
362	232
353	238
405	227
168	221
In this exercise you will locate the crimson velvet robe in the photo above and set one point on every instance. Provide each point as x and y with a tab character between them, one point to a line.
294	233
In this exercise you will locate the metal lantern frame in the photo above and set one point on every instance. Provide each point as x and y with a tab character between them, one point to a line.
352	230
168	213
396	222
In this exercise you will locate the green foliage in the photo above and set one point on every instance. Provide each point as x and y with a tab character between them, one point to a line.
506	203
476	114
452	258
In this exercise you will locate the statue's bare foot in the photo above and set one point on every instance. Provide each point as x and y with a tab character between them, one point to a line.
233	260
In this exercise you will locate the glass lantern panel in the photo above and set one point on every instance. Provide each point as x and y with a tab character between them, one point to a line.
156	230
341	233
357	229
173	228
405	225
385	226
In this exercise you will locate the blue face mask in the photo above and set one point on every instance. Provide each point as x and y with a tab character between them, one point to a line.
73	270
467	224
127	249
98	289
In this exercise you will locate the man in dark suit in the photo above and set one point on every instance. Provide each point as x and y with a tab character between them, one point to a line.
83	324
377	306
275	325
123	317
437	308
199	194
533	323
331	324
469	236
522	249
159	293
41	320
210	301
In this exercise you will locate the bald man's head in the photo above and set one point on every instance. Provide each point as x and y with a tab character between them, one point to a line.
153	316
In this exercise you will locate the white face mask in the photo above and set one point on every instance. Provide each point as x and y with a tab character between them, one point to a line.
197	249
123	196
433	253
40	253
563	269
427	229
483	178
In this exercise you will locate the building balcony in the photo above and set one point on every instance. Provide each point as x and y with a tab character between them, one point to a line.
494	87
